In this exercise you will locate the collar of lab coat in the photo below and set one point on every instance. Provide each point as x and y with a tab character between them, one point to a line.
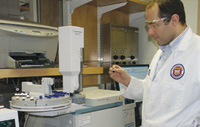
176	53
183	44
185	41
174	44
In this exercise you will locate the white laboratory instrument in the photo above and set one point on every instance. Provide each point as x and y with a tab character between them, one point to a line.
71	40
98	97
9	118
102	108
40	98
27	44
110	104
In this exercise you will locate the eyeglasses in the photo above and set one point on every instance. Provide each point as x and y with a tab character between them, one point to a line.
155	23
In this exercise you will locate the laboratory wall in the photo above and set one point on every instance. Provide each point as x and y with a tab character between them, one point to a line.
147	46
198	27
191	10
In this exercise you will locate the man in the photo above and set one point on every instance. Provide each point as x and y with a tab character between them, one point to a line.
171	90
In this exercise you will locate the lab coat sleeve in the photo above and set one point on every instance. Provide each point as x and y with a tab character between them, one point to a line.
134	89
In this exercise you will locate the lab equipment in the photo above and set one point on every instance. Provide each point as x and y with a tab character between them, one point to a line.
36	98
40	100
27	44
102	108
61	111
9	118
40	97
98	97
71	40
119	44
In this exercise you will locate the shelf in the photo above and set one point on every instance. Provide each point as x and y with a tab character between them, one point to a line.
92	70
132	6
23	8
17	73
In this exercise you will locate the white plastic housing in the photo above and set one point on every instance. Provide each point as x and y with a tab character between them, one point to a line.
37	89
71	40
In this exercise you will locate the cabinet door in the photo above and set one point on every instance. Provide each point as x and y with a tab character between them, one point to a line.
117	42
124	45
131	44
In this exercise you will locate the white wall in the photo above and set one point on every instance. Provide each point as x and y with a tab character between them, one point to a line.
147	48
191	10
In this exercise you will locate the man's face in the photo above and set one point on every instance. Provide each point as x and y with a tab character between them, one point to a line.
158	28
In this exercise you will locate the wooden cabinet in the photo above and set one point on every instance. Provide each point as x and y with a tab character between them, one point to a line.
119	46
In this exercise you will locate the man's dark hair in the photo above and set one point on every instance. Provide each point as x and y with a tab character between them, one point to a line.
169	7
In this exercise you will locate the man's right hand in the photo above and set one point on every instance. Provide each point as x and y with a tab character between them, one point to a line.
119	75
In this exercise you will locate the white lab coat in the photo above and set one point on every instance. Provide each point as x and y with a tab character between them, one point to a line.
167	101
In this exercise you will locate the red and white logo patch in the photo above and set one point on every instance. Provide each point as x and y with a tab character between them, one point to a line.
177	71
